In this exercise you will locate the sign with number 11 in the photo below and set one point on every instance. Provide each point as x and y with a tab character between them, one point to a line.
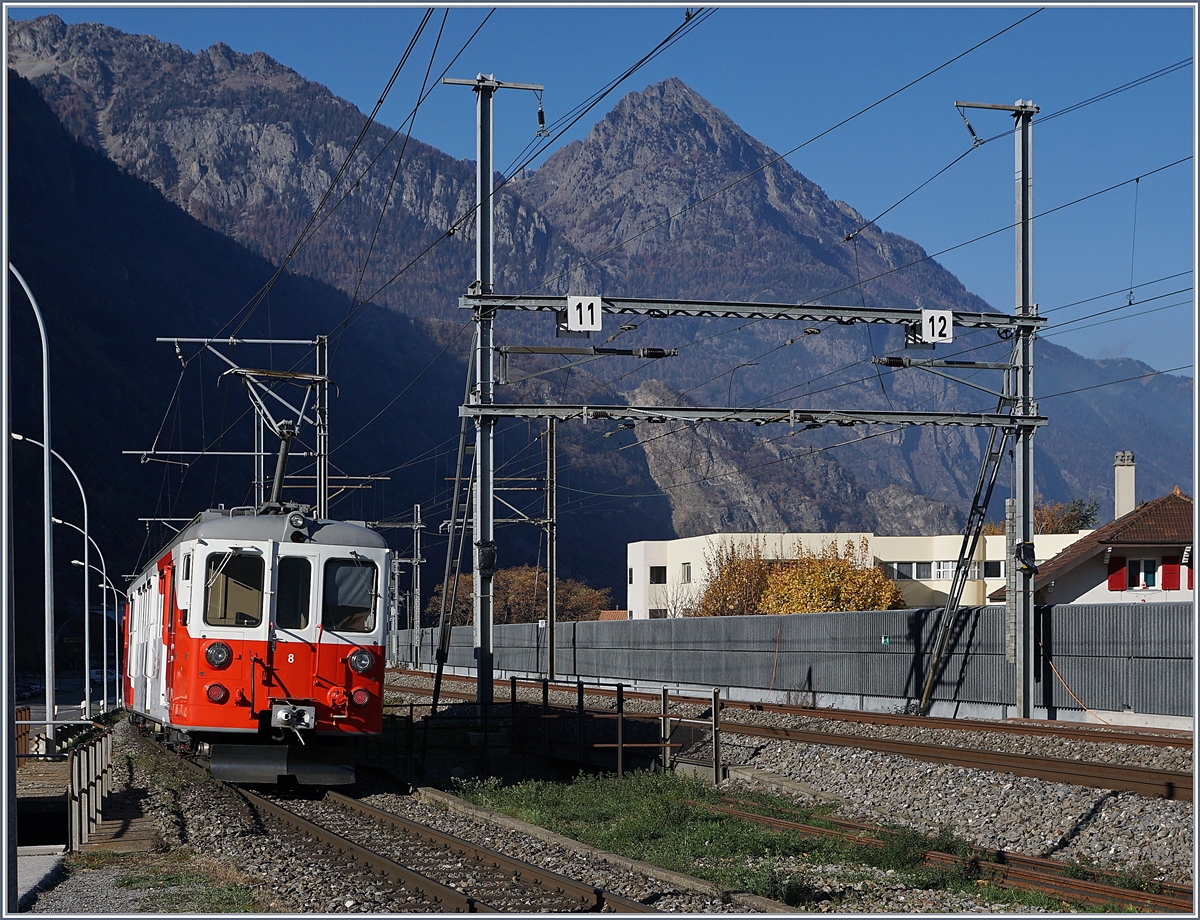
583	313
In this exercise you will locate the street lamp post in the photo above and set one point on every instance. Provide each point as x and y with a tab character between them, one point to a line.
46	501
104	585
117	592
87	633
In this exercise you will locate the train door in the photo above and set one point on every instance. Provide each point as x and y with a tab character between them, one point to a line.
137	660
166	574
292	646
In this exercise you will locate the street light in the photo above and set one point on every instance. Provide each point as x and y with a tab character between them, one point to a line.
119	700
87	632
116	606
48	539
105	583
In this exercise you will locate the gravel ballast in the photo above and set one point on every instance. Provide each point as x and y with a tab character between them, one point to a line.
1120	831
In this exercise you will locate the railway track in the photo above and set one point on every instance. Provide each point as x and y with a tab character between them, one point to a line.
1148	781
491	880
1168	784
1108	734
428	870
999	867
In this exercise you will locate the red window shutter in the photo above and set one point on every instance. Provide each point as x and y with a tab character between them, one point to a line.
1189	568
1116	573
1170	573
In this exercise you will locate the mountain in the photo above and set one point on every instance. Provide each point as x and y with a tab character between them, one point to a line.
248	147
754	228
113	264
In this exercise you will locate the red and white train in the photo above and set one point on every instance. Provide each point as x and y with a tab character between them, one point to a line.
257	639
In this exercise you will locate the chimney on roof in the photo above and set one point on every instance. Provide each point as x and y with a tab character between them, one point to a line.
1124	493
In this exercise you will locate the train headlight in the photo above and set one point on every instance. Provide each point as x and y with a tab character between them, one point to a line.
361	696
216	693
218	655
296	519
361	661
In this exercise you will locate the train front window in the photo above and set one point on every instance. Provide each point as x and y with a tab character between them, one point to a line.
291	597
349	595
233	590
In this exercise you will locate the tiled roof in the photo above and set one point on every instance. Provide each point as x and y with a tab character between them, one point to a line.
1166	520
614	614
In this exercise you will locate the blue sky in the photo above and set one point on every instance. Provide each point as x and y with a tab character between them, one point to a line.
787	74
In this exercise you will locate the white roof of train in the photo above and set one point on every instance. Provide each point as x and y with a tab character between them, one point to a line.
222	524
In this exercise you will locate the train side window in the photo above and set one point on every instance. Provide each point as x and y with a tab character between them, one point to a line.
233	588
349	595
291	596
183	590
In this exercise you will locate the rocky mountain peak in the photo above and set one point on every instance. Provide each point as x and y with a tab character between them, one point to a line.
668	175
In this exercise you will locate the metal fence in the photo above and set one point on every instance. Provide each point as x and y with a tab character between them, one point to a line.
90	771
1111	657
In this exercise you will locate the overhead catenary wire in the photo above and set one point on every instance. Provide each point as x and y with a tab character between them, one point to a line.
258	298
863	379
412	121
1098	97
464	218
1043	119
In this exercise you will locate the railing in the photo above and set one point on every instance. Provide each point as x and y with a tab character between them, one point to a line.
90	770
388	748
666	724
21	735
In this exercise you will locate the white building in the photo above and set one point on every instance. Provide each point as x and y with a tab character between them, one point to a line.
1145	555
666	578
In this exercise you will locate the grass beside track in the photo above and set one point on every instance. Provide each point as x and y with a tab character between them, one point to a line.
175	881
662	819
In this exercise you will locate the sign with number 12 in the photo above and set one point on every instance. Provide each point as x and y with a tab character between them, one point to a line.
937	326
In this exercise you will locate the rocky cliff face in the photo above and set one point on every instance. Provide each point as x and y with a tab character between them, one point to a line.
754	228
249	147
725	478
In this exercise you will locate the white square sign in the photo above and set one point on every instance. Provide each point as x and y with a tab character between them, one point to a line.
583	313
937	326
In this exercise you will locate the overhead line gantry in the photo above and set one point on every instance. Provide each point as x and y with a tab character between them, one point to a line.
1016	414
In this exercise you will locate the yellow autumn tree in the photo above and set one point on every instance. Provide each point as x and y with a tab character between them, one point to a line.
737	577
829	580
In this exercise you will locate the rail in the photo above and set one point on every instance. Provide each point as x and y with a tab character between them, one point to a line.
1141	780
90	771
999	867
1118	734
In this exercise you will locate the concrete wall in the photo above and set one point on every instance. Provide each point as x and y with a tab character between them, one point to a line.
1124	662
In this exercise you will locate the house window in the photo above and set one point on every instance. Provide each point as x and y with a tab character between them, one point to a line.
685	573
658	574
1142	573
944	571
923	570
898	571
631	576
658	613
993	569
